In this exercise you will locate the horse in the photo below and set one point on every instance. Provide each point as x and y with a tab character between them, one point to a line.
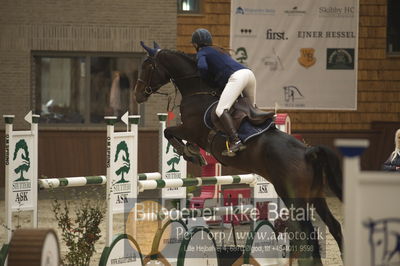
297	171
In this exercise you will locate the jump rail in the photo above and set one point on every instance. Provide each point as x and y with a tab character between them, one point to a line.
249	179
80	181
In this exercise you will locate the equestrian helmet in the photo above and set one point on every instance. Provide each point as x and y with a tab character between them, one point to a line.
202	37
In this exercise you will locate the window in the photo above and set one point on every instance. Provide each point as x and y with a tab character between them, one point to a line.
393	26
82	89
189	6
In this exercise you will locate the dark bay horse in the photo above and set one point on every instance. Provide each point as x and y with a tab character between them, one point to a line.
297	172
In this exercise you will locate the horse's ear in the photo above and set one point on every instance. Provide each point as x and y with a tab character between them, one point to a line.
156	46
149	50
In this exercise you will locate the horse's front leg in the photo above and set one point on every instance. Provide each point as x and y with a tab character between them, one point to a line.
189	151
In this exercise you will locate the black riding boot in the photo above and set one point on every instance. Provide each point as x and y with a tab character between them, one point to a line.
235	144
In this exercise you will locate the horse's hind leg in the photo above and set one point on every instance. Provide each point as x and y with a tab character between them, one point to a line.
334	226
310	245
304	244
304	248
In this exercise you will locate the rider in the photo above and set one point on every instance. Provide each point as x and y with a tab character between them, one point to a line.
216	66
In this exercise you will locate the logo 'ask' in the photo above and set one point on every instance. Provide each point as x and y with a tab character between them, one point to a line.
21	154
174	160
122	148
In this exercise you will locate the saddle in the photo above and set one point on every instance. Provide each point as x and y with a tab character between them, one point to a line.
242	109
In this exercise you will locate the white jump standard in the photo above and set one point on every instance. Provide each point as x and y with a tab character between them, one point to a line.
21	170
371	218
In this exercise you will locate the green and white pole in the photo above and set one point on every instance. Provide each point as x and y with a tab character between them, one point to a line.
76	181
249	179
21	171
82	181
149	176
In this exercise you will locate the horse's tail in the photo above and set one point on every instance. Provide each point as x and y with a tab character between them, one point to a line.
324	160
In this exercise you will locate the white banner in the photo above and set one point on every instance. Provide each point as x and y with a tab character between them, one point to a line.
123	172
304	54
22	174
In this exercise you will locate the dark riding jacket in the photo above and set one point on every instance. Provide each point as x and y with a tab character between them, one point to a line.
216	67
391	164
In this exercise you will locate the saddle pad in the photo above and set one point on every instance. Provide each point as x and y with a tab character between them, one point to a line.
246	130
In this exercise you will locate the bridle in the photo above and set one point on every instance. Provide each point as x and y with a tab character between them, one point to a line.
148	90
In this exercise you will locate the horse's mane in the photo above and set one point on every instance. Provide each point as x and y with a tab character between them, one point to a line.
190	57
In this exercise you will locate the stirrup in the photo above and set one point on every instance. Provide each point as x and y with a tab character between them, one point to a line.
232	149
238	146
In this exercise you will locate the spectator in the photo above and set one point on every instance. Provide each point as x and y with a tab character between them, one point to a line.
115	94
393	162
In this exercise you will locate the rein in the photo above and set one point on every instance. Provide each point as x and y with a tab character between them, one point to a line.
212	93
173	81
148	89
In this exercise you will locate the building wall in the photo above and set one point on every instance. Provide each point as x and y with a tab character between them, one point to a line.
378	73
81	26
215	17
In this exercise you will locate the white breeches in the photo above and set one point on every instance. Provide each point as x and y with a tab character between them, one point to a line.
242	80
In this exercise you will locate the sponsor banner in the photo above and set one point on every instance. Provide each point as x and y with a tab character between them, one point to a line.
123	172
304	55
173	166
22	171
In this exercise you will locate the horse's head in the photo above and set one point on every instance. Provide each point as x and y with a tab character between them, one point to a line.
152	77
159	68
